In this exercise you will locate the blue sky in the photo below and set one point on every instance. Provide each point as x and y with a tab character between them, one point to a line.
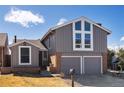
111	17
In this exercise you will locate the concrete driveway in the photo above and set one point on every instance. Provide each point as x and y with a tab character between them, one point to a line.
97	81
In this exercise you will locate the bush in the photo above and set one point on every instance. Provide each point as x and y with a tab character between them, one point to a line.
111	53
120	54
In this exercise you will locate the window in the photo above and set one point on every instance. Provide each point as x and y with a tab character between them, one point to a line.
82	35
78	40
87	26
87	40
78	25
24	55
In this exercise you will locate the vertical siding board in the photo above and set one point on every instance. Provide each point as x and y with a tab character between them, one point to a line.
64	39
52	38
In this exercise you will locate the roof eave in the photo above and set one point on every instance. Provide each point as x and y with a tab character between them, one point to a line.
27	42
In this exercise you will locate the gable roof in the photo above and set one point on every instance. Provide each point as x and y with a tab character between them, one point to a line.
35	43
69	22
3	37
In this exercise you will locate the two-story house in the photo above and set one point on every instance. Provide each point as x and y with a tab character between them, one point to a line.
80	44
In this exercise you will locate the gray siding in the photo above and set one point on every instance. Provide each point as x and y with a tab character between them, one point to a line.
15	56
64	39
52	41
100	40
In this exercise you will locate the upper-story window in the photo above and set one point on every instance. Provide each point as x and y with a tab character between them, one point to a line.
82	35
78	25
78	40
87	40
87	26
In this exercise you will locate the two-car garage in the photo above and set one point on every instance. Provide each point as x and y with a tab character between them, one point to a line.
82	64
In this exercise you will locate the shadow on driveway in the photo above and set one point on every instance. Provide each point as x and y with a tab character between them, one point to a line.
97	81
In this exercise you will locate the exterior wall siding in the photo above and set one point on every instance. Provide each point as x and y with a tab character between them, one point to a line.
64	39
52	48
15	56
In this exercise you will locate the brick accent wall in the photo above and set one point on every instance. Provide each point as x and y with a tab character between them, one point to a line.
104	62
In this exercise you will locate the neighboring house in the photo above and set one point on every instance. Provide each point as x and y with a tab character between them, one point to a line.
28	55
4	50
80	44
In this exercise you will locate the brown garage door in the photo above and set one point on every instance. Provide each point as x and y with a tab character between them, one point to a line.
92	65
70	62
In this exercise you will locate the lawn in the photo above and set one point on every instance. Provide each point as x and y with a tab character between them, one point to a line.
29	81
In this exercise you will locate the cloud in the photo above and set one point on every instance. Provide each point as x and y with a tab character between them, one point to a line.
23	17
61	21
122	38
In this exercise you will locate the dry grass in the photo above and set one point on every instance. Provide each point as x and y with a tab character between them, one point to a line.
23	81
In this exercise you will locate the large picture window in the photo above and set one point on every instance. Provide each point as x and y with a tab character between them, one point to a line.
82	35
24	55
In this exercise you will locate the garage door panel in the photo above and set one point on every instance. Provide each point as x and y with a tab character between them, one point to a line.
92	65
69	62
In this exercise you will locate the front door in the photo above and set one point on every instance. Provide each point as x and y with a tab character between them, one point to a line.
40	59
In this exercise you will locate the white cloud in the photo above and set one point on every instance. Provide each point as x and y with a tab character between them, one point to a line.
61	21
23	17
122	38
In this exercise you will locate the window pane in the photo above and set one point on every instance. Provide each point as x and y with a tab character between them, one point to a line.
87	46
87	36
24	55
78	41
24	59
78	46
87	39
78	25
45	54
24	51
78	36
87	26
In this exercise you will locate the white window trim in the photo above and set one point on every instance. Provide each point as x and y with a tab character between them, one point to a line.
20	55
81	62
82	35
92	57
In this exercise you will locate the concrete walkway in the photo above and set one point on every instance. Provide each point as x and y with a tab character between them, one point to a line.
97	81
